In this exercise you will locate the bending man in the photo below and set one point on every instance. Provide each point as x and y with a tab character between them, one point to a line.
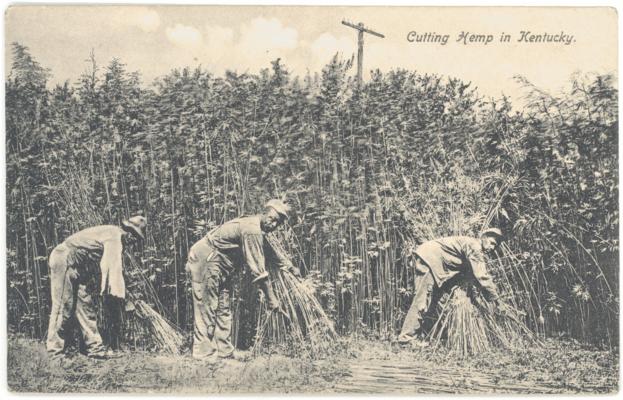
211	262
75	266
440	260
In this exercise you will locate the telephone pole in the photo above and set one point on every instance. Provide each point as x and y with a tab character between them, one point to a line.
361	29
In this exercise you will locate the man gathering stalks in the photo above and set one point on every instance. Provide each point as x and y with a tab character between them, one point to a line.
443	263
76	265
211	262
439	265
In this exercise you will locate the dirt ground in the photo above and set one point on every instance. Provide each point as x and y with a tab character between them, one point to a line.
354	366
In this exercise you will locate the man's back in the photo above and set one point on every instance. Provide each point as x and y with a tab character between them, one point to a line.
100	246
88	244
230	235
450	256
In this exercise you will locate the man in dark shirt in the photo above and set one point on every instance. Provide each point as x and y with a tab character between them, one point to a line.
75	266
440	260
211	262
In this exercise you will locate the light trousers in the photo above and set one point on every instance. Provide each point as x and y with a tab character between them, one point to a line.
211	290
425	288
71	302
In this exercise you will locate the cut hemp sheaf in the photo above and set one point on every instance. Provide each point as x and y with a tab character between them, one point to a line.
303	327
149	325
467	323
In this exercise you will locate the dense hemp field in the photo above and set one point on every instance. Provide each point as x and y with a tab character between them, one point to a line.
370	171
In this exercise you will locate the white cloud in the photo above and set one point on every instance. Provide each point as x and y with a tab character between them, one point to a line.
266	35
218	38
218	50
249	47
184	36
326	45
147	20
137	17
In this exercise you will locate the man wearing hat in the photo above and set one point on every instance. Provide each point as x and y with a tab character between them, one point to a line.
75	266
440	263
211	262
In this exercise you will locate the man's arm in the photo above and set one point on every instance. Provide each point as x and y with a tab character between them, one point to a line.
111	265
479	269
253	251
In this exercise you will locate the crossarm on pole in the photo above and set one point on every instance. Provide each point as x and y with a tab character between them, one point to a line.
360	27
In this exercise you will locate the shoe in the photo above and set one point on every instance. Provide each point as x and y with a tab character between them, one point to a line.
418	344
56	356
404	340
234	355
104	354
211	359
113	354
230	356
98	356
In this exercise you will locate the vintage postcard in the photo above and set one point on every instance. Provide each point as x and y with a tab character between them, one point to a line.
312	200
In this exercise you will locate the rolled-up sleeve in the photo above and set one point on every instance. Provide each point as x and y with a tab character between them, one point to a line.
479	269
253	251
111	265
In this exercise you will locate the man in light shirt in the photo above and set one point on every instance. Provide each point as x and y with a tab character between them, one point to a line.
440	260
211	262
75	266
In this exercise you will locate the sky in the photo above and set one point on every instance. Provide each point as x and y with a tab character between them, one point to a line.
155	39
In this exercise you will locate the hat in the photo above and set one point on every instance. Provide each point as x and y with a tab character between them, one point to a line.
136	225
493	232
279	206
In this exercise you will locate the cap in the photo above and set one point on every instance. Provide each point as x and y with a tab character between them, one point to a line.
279	206
493	232
135	224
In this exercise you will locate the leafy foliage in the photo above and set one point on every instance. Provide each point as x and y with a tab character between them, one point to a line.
370	172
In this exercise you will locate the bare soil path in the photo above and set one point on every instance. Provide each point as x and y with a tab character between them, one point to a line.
557	367
401	377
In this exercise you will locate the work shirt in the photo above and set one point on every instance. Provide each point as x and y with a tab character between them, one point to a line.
241	241
104	245
449	256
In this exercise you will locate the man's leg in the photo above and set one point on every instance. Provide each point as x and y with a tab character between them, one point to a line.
222	332
205	290
424	287
86	315
63	302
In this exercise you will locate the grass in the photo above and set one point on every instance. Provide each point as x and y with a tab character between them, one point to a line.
32	371
358	365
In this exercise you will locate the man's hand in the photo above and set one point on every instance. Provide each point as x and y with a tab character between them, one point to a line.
491	306
293	270
504	310
273	304
281	311
271	300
